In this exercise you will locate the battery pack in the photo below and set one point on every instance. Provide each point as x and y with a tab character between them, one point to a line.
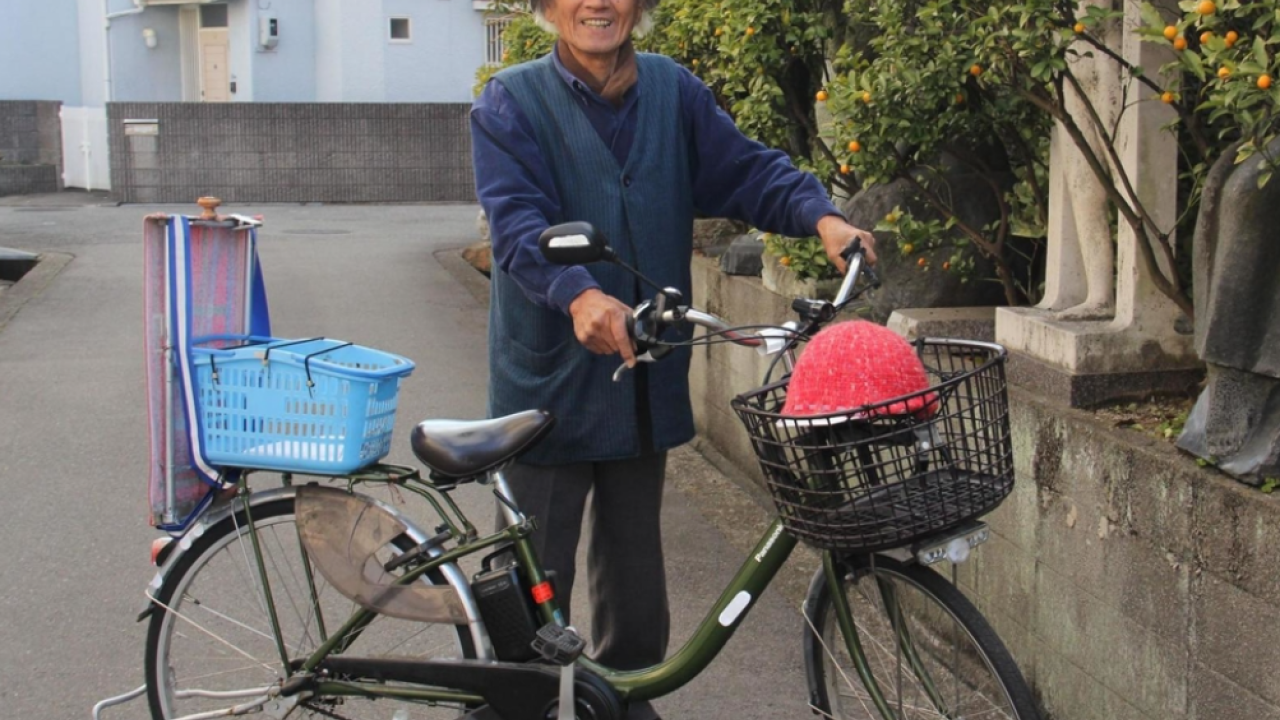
508	611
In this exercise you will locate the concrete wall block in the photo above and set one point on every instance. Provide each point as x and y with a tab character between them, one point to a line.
1238	535
1214	697
1070	692
1005	573
1145	667
1017	519
1236	635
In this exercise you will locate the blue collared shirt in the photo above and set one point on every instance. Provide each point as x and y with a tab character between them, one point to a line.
733	176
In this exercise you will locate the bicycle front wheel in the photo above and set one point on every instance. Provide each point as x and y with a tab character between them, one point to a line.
921	650
210	644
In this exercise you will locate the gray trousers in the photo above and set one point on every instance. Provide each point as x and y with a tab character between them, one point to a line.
630	620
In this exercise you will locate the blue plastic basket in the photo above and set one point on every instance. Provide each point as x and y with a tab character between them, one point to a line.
316	406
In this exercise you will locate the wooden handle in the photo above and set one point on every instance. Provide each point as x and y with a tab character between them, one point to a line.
210	205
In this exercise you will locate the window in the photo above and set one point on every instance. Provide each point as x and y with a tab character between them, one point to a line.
213	16
400	31
494	50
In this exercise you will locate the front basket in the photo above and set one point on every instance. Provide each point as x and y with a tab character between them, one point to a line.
878	477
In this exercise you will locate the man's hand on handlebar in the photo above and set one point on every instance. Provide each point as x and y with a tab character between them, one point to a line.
836	234
600	323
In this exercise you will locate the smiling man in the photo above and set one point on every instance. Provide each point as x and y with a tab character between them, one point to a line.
635	145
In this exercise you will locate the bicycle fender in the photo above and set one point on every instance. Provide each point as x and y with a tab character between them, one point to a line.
223	513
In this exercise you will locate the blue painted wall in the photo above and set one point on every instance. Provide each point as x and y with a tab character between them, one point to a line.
40	50
439	65
142	74
286	73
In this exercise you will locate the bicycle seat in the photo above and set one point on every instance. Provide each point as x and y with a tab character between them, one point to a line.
462	449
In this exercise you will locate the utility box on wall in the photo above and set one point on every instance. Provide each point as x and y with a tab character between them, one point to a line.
268	32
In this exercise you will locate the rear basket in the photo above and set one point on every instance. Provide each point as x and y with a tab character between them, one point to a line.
316	406
877	477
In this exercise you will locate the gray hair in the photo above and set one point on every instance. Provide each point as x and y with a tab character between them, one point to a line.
642	28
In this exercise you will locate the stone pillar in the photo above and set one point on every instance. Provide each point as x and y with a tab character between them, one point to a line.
1071	347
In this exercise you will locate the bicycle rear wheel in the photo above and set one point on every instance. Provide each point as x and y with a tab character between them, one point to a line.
210	645
929	654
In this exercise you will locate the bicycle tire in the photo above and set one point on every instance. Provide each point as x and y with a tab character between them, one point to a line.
217	577
962	668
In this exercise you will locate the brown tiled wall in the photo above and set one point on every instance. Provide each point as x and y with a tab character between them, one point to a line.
31	134
292	152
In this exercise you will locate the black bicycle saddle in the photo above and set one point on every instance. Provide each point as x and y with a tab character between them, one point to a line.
462	449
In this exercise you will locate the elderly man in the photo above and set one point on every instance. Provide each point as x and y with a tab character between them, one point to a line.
636	145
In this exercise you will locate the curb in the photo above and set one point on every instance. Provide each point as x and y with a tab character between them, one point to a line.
32	284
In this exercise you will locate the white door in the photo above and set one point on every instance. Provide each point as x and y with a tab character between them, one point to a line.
85	163
215	78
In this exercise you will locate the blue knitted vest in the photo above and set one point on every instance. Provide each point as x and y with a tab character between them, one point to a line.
645	210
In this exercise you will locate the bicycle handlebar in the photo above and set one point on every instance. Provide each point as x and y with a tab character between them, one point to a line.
652	317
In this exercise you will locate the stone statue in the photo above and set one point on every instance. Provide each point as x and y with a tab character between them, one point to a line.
1236	420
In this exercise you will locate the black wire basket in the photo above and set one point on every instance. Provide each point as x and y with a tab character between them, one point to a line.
883	475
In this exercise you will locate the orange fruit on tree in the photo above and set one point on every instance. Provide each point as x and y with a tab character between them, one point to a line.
922	262
893	218
866	96
1079	28
959	98
785	261
1179	43
855	146
750	31
946	265
1224	72
694	62
821	96
1170	32
907	248
1205	37
1206	7
719	32
975	70
1231	38
1167	98
1264	82
844	169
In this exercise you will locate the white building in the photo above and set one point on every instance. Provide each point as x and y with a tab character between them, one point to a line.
86	53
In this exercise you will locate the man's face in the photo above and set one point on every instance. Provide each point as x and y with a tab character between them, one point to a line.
593	28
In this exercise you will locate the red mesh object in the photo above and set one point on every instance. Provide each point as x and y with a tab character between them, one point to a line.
853	364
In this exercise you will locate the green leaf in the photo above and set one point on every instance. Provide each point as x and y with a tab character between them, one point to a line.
1260	51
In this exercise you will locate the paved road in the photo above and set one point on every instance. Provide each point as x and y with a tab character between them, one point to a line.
74	538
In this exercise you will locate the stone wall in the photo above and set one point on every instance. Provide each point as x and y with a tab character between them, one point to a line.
30	132
291	152
1129	583
30	147
28	179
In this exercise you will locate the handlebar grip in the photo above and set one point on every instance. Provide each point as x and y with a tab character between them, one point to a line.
854	247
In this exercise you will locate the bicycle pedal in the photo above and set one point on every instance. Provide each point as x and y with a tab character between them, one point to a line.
559	645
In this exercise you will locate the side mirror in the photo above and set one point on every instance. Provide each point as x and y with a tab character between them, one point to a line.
574	243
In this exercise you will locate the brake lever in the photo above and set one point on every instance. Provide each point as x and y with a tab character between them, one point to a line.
646	356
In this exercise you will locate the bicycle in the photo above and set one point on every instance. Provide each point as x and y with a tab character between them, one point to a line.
308	599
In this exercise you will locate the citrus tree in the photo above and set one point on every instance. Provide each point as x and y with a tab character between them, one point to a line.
1221	80
919	95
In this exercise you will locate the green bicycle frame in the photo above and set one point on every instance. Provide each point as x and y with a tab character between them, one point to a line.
713	632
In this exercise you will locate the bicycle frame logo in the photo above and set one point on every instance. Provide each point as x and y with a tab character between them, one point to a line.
768	544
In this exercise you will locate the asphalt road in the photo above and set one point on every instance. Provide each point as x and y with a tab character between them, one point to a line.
74	537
